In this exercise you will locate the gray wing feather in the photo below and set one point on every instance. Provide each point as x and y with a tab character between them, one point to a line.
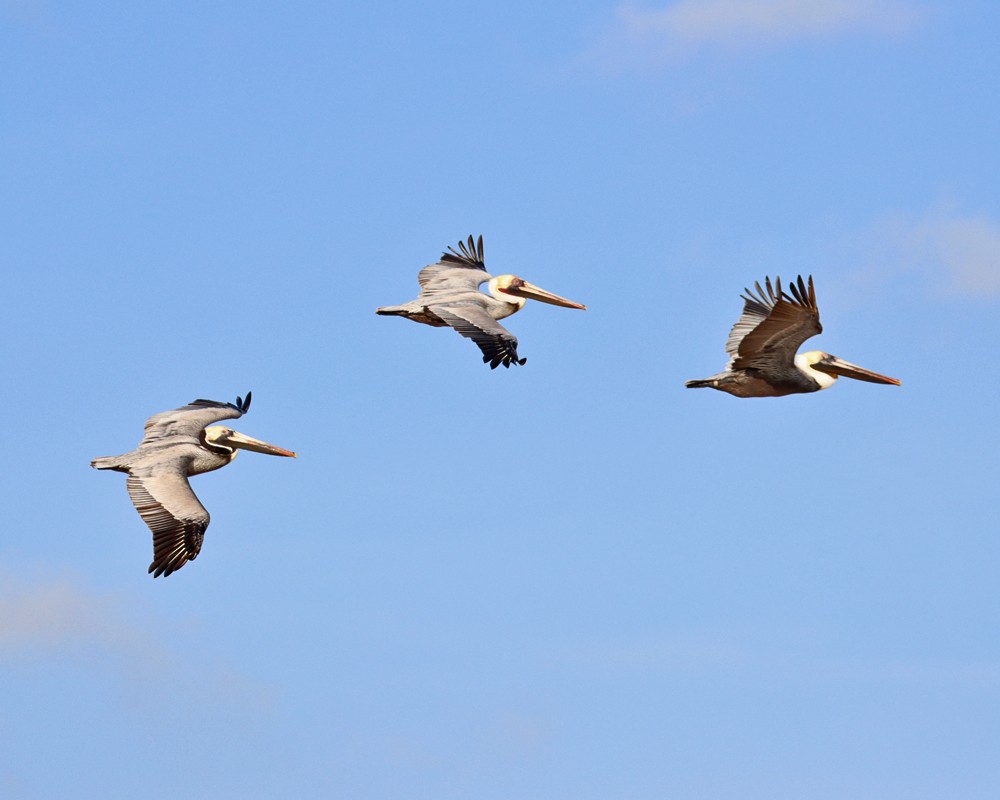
458	270
773	325
499	345
174	514
188	420
755	311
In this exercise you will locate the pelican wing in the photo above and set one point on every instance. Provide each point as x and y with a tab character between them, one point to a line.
458	270
174	514
773	325
499	345
191	419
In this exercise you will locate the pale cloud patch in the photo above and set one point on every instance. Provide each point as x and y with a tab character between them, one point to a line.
801	658
59	615
33	15
656	35
61	620
961	254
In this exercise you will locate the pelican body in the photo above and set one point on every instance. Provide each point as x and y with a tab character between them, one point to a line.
176	445
762	347
450	297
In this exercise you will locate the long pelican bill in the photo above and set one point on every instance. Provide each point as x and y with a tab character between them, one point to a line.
835	366
533	292
244	442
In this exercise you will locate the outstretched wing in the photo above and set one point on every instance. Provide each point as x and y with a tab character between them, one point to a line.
773	325
499	345
191	419
174	514
458	270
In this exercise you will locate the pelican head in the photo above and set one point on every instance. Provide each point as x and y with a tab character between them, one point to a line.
512	289
824	369
227	438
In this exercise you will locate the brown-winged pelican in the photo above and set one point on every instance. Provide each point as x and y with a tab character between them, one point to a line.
450	296
175	446
762	348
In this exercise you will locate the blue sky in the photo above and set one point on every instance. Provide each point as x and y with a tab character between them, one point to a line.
574	579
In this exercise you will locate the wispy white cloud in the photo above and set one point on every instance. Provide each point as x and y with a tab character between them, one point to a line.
655	35
803	659
519	733
59	614
31	14
961	254
61	619
700	22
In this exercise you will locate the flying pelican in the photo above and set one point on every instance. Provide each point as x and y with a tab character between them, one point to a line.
762	348
450	296
176	445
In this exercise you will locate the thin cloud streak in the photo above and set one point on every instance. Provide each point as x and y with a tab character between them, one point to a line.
58	614
734	655
962	253
698	22
681	29
62	620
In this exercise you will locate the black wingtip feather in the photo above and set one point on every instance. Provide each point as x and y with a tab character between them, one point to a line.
800	292
469	252
506	360
803	295
766	295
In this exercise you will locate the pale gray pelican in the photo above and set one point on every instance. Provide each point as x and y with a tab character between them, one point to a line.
177	445
450	296
763	343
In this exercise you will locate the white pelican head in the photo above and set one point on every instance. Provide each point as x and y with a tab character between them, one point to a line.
227	438
515	290
824	369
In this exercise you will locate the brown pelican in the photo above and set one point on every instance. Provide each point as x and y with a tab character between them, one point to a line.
449	295
762	348
175	446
